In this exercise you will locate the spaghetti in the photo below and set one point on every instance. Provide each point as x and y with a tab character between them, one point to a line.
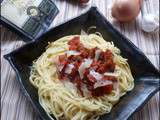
96	91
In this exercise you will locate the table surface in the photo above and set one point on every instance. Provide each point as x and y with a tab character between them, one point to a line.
14	105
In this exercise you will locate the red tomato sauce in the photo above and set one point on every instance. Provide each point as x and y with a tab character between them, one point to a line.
103	64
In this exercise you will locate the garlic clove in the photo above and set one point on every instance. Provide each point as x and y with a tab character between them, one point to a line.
149	23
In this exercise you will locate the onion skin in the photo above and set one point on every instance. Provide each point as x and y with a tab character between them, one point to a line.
83	1
126	10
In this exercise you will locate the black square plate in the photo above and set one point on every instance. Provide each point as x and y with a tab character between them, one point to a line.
145	74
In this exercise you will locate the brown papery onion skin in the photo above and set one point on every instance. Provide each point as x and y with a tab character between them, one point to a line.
126	10
83	1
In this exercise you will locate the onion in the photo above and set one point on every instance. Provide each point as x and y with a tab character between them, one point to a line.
96	75
84	65
97	54
83	1
72	52
126	10
69	68
110	74
102	83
